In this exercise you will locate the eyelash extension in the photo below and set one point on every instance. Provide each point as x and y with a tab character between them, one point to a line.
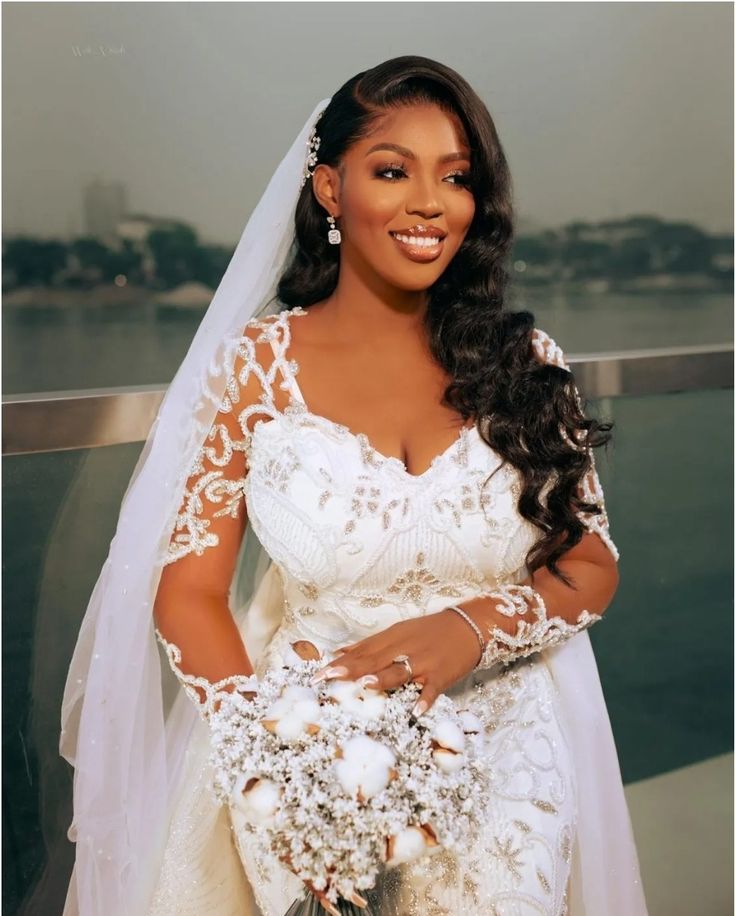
464	177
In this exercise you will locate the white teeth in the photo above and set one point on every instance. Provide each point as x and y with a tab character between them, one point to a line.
419	242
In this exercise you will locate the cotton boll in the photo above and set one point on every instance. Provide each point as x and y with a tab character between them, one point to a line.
449	735
355	698
365	767
405	846
448	761
257	799
296	711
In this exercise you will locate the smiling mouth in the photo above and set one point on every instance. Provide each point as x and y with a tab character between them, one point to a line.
419	248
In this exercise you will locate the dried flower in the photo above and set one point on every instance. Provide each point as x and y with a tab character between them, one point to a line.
296	711
364	767
356	698
258	799
341	780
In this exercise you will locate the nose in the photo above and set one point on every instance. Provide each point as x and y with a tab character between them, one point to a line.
423	199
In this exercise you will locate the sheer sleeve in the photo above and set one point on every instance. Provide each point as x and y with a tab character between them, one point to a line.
521	624
590	489
193	619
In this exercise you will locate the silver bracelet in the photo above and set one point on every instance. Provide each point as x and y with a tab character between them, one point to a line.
471	622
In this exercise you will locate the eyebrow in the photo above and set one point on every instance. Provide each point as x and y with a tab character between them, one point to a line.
404	151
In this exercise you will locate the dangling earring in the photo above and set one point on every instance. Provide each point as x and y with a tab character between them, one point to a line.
334	235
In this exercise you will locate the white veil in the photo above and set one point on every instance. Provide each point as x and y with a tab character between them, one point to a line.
115	732
127	747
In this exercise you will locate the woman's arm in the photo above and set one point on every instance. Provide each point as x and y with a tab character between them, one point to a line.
541	611
191	609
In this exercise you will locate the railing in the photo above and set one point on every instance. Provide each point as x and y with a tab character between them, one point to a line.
62	420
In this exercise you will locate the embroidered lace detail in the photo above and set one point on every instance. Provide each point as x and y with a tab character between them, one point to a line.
213	690
590	489
217	474
530	636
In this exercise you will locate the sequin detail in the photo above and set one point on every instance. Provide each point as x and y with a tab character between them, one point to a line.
516	601
360	544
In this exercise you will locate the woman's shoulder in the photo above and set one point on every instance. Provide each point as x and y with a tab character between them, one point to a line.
263	324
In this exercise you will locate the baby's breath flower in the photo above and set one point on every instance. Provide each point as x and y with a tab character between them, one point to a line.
342	780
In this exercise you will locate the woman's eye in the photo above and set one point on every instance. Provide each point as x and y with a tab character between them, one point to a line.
460	178
463	178
390	168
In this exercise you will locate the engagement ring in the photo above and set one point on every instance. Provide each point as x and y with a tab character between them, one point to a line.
403	660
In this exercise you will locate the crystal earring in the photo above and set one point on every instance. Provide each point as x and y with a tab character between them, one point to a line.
334	235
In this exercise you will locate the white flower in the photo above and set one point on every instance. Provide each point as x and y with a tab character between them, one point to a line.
410	844
448	743
257	799
296	711
357	699
365	767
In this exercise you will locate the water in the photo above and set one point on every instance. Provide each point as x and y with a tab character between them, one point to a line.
51	349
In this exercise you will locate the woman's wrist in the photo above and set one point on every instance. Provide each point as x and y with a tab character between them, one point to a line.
457	611
514	620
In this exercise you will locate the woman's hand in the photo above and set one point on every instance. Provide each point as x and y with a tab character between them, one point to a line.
442	648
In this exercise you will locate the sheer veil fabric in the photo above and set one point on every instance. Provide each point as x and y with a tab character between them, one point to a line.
127	743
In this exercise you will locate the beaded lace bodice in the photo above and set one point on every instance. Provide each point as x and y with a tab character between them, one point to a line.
358	540
360	543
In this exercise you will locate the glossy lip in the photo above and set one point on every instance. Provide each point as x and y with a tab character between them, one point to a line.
422	254
422	233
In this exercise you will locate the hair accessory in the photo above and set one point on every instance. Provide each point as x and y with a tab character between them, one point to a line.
312	147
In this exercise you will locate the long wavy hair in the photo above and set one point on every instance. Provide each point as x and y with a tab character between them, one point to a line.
529	412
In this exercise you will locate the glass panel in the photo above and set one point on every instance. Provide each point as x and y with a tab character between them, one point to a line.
664	649
59	516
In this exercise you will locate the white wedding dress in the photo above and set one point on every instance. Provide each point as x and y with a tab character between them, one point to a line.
358	543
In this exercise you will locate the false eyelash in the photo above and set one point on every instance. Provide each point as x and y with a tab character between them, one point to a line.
463	176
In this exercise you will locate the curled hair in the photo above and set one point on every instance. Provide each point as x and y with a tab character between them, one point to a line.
529	412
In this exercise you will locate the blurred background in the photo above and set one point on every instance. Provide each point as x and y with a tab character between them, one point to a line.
137	137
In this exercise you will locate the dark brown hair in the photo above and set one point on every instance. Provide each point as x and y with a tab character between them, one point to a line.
526	410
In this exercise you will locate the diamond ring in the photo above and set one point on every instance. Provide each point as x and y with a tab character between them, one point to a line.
403	660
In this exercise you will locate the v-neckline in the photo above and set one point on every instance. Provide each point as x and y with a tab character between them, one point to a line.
290	368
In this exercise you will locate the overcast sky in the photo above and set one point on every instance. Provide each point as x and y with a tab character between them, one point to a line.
604	109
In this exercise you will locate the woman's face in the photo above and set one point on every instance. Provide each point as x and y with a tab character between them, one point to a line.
416	190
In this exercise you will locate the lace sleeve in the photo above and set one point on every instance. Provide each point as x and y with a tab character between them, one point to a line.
194	622
528	628
590	489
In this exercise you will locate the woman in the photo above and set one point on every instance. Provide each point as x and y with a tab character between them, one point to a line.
417	469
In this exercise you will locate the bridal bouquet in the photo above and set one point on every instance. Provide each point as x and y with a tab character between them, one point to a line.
340	779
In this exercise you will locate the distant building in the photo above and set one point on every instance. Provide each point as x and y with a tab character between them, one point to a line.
104	204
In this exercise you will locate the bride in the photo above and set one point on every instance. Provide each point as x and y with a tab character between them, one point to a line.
393	468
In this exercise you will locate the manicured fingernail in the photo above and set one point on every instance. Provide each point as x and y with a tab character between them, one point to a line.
368	679
327	673
420	708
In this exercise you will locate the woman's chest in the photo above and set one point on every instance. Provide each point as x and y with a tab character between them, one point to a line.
330	508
